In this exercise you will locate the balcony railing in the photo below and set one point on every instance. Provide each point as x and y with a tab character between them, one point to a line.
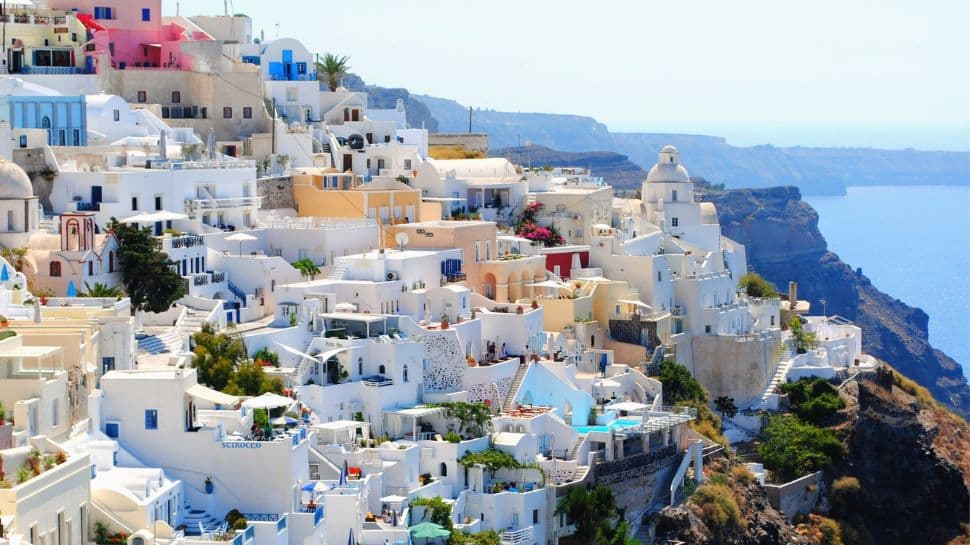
187	242
197	165
202	205
515	537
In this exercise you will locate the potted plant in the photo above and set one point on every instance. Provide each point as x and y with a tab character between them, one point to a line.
519	309
208	485
3	414
535	304
4	322
444	322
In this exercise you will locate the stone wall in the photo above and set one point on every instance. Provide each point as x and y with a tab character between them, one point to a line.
33	162
795	497
633	331
637	480
276	193
446	361
738	367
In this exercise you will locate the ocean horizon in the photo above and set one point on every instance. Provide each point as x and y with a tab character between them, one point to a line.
913	242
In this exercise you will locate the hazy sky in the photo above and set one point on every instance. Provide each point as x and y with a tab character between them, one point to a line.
850	72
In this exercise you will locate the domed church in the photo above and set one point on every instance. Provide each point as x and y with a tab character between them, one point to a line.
19	209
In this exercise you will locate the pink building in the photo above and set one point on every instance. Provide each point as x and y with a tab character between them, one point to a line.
133	32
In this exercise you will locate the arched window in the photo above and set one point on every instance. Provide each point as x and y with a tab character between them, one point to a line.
45	123
360	366
381	370
444	470
137	540
55	268
406	367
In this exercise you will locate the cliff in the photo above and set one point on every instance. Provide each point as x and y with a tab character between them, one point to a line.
780	232
912	461
618	170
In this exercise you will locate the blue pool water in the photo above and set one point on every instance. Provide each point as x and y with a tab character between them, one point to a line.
617	424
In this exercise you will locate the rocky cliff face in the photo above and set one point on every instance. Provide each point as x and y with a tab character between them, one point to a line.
913	463
780	232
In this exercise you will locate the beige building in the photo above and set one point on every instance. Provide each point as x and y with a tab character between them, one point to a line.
505	277
327	193
575	210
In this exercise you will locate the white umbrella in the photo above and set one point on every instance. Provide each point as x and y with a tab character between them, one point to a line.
268	401
240	238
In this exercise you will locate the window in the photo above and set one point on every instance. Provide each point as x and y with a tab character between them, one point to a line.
112	429
45	123
204	113
292	94
176	97
151	419
77	137
380	164
61	137
360	366
407	164
659	277
772	320
301	68
247	112
707	328
107	364
165	112
54	412
103	13
55	268
142	96
674	222
111	262
535	516
381	370
227	112
443	469
158	202
23	140
673	195
405	373
134	204
117	115
90	268
146	14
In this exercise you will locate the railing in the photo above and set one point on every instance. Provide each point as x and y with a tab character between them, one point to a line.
194	205
82	206
238	293
316	223
309	76
198	165
515	537
54	70
218	277
187	242
263	517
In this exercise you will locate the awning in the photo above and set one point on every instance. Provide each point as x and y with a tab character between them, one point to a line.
634	302
627	406
393	499
212	396
268	401
297	353
162	215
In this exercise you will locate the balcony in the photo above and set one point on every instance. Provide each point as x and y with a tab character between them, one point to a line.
199	165
516	537
186	242
377	381
211	205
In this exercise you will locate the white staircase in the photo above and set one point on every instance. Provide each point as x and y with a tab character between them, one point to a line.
780	374
514	389
163	343
198	521
576	447
339	269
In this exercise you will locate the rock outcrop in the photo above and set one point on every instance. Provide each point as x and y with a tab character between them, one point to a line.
780	232
912	461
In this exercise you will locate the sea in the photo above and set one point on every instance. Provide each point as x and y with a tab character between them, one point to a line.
913	242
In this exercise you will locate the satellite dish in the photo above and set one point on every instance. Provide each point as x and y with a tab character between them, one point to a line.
401	239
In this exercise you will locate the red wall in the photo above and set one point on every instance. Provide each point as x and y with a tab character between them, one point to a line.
565	260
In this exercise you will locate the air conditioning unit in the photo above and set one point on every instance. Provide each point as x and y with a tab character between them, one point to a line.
392	275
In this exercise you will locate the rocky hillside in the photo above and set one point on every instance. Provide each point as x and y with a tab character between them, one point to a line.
780	232
700	521
418	115
912	460
620	173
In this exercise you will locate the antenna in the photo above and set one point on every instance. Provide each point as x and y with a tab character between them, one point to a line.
402	240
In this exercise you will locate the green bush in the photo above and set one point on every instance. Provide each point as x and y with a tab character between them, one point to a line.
830	532
721	511
813	400
742	475
846	496
793	448
436	510
755	286
679	385
452	437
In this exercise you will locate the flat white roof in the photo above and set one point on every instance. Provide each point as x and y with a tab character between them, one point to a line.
417	411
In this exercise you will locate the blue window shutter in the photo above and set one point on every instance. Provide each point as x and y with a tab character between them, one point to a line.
287	55
146	14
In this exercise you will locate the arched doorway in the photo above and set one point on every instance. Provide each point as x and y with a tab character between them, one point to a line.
488	285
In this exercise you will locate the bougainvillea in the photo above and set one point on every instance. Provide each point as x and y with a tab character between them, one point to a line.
527	228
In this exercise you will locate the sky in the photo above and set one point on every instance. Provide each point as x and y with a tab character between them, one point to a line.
882	73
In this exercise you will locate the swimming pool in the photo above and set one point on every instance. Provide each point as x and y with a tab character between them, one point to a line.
617	424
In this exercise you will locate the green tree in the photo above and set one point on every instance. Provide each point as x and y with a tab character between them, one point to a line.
488	537
147	274
756	286
793	448
307	267
102	290
217	356
594	512
679	385
813	400
436	510
472	418
804	340
725	405
332	69
249	379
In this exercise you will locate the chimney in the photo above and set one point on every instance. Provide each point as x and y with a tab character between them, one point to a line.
163	145
792	293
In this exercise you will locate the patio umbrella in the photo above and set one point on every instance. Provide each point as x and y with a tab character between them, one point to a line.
428	530
343	474
394	518
283	421
71	289
268	401
4	274
350	538
240	238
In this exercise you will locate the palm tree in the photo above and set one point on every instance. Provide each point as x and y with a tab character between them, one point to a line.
102	290
333	67
307	267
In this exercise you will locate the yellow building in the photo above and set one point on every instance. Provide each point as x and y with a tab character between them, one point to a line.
328	193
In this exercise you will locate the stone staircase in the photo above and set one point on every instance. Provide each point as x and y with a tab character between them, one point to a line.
514	388
576	447
193	518
339	269
779	378
163	343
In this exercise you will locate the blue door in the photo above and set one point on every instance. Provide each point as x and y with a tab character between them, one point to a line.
96	196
